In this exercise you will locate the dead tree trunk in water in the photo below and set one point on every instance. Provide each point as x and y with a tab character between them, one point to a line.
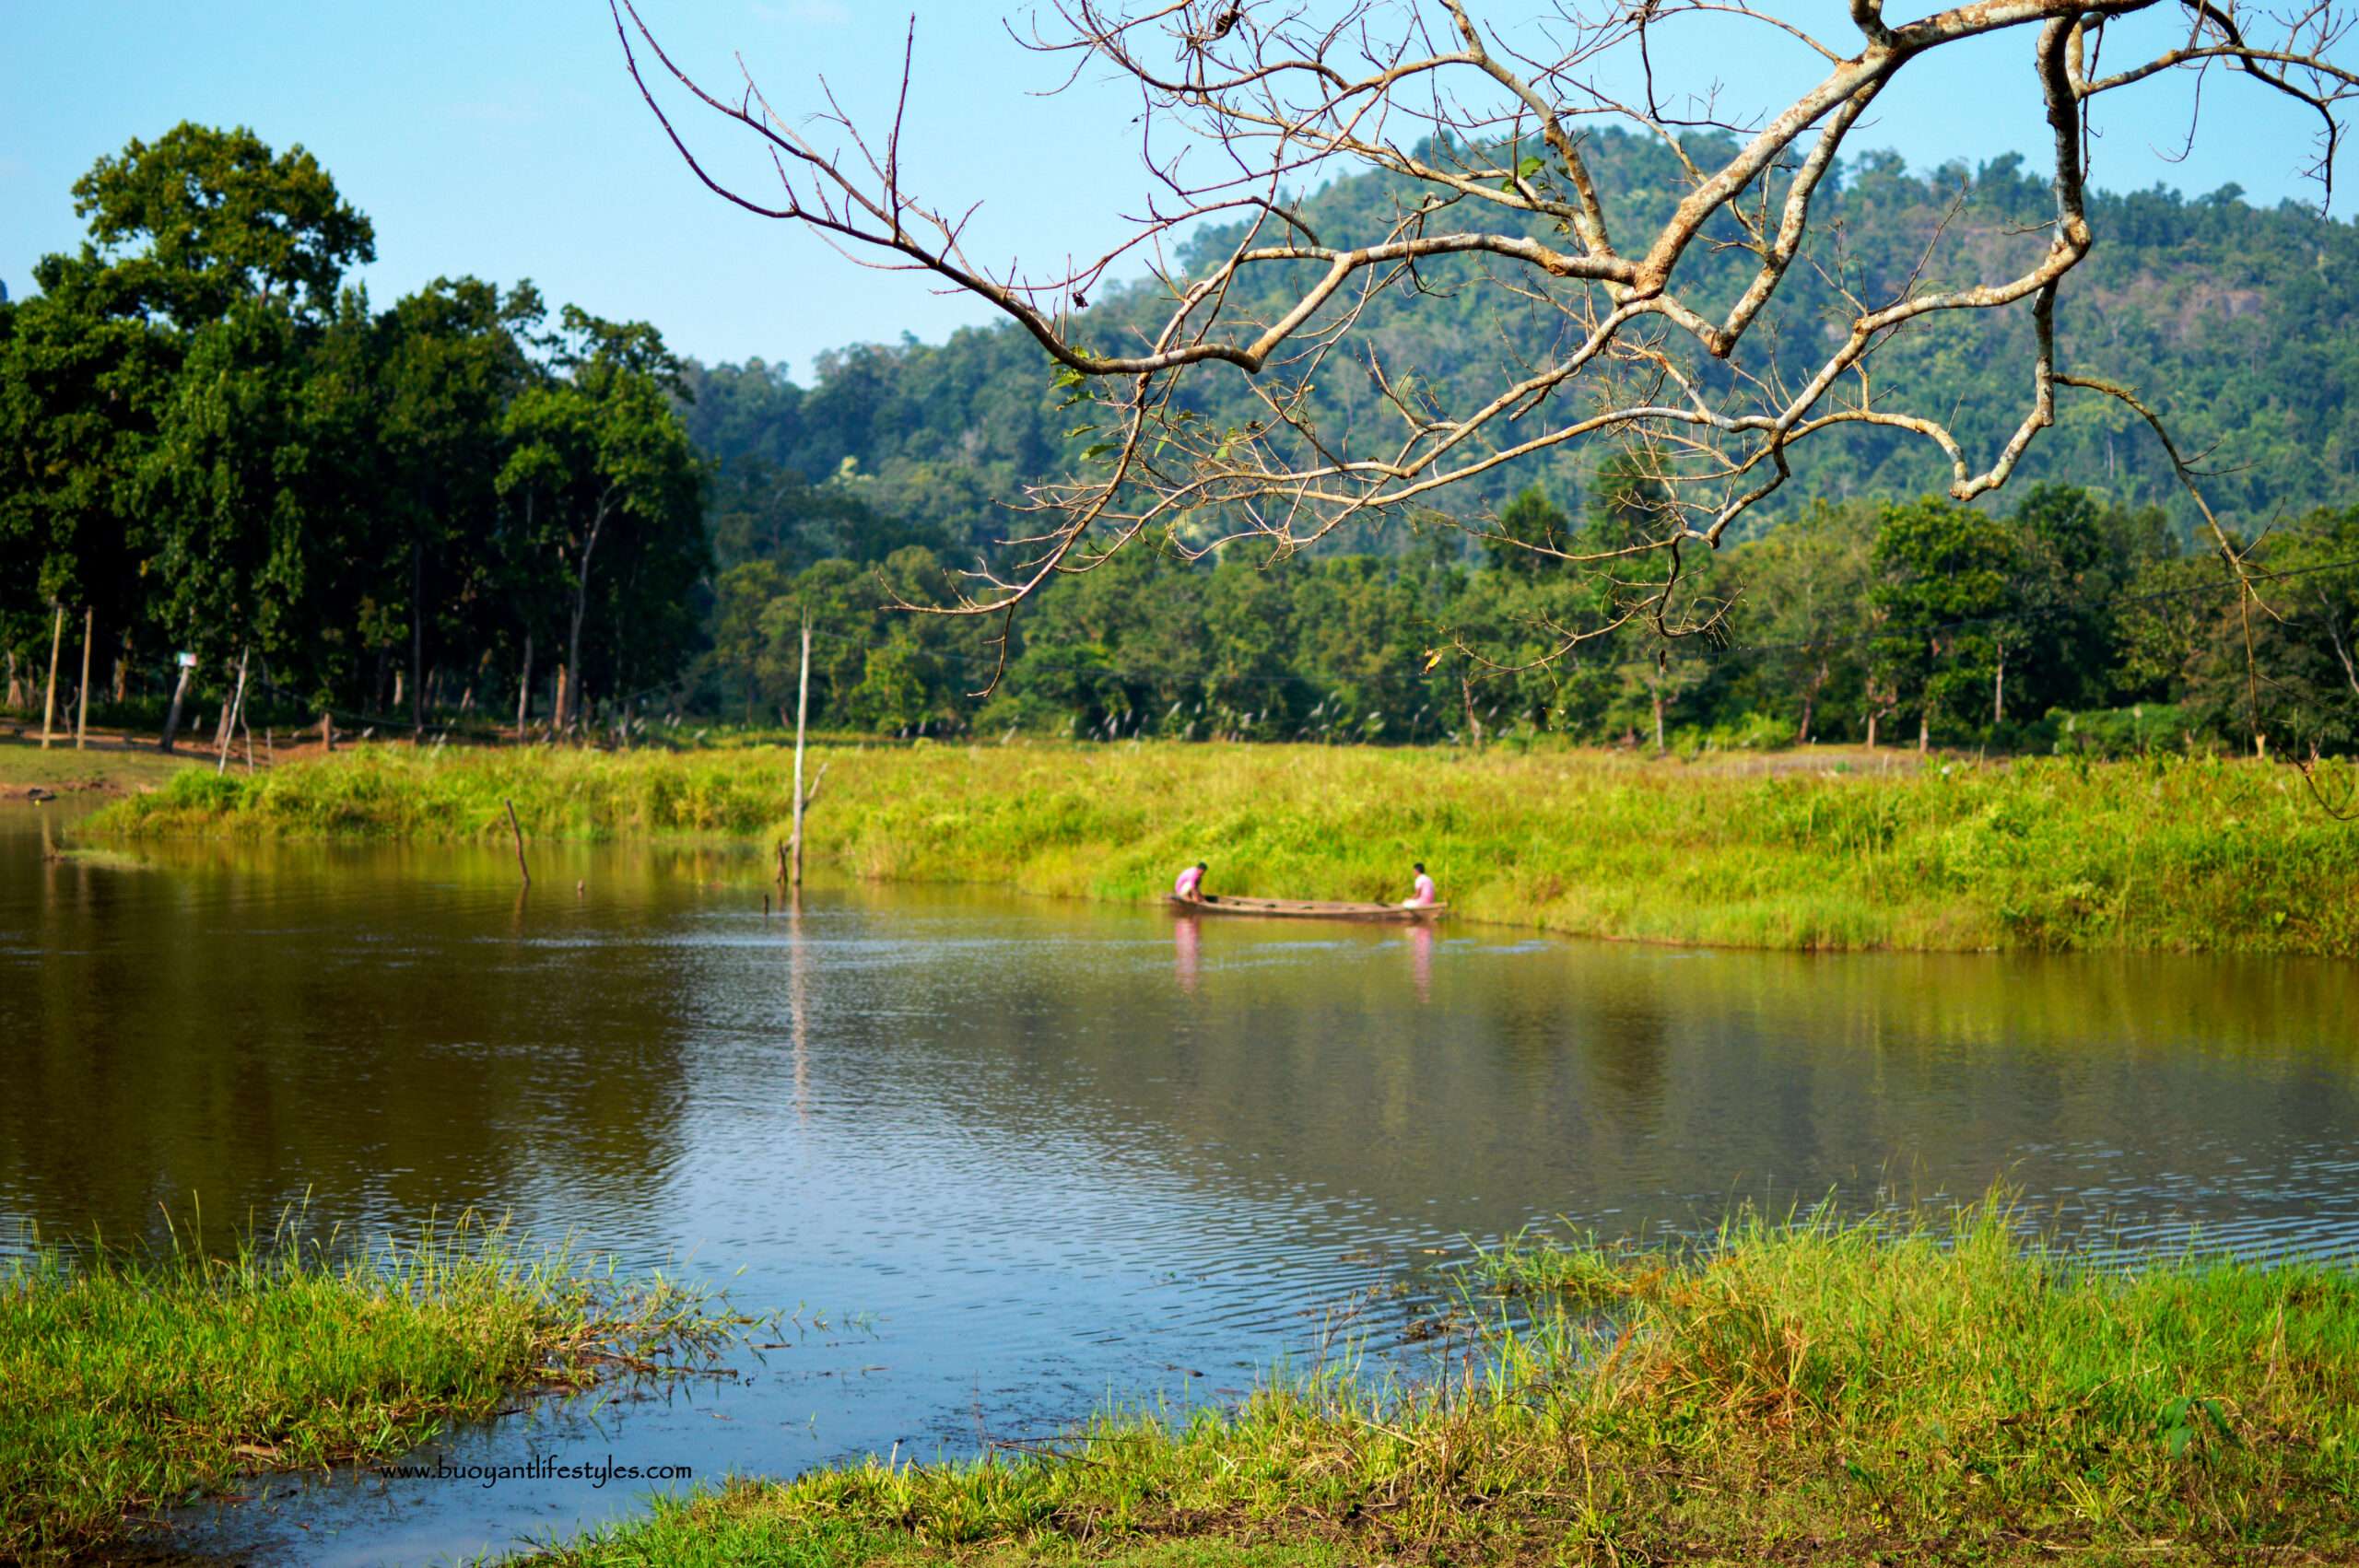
521	868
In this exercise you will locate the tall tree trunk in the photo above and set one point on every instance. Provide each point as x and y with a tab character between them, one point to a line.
559	698
1658	693
16	685
123	669
49	704
230	712
416	642
82	698
2341	654
1474	725
172	719
1999	687
524	690
572	700
1809	702
1925	727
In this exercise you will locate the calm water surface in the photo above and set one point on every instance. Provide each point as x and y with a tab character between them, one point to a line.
1023	1158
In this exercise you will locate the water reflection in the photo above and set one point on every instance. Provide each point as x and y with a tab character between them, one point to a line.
1058	1150
1187	959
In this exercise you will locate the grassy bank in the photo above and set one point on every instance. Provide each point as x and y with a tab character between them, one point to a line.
2176	854
107	766
130	1382
1803	1393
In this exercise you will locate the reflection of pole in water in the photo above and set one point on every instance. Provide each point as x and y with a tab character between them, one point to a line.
1421	959
1183	951
798	1004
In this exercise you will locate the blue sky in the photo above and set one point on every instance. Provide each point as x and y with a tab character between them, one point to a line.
504	139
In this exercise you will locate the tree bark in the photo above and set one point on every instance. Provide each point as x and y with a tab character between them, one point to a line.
230	712
327	731
1999	687
581	610
1658	693
172	719
49	704
525	691
2350	673
416	642
1809	702
82	692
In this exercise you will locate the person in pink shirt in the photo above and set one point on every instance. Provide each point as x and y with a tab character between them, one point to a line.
1190	883
1423	898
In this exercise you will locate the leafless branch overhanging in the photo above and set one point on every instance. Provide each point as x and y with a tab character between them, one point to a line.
1244	100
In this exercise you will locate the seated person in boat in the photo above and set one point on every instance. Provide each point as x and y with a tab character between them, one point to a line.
1423	897
1190	883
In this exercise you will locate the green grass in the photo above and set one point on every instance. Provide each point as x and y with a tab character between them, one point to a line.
1906	1390
62	770
133	1380
2181	854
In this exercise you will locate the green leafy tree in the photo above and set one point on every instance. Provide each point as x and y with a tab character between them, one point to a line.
191	224
599	460
1945	578
1804	600
79	391
450	359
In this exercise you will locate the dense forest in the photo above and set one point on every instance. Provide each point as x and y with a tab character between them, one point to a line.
1854	609
454	507
215	447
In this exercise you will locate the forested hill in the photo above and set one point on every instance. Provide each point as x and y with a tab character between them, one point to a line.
2241	324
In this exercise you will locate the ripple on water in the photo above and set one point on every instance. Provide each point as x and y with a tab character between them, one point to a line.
999	1161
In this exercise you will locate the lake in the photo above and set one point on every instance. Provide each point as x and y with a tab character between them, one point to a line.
1004	1161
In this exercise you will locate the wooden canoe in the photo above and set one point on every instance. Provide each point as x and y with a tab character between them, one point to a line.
1302	908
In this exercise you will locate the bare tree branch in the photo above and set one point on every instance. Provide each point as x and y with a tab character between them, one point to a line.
1488	144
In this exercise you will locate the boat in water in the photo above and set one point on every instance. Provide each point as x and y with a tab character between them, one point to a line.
1303	908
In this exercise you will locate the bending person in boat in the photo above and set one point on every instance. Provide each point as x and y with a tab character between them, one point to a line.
1190	886
1423	898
